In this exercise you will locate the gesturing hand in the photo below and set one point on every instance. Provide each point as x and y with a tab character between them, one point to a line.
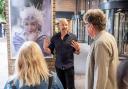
76	46
46	43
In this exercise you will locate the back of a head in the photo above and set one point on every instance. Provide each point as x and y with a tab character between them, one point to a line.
95	17
30	64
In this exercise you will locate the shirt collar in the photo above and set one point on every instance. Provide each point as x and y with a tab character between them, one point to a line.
59	34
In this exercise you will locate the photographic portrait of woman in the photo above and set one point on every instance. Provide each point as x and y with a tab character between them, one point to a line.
30	23
31	71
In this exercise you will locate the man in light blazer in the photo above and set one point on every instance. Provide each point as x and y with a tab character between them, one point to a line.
101	64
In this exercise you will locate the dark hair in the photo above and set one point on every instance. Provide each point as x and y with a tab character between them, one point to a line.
96	17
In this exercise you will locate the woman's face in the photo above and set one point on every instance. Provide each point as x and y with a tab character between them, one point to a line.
30	26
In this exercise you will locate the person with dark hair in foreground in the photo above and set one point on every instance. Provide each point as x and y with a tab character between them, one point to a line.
122	75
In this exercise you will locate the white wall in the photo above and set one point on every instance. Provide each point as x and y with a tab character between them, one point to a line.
79	60
3	62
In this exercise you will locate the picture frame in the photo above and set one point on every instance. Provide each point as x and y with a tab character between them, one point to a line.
16	34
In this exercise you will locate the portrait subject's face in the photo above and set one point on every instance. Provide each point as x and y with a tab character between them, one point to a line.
30	26
31	30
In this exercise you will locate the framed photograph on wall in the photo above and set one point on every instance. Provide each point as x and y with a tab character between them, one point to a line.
29	20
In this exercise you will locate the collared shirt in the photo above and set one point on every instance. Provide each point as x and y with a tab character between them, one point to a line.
63	50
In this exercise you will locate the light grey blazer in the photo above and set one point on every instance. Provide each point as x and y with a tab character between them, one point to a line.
101	64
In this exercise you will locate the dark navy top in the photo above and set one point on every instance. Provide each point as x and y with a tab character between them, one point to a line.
63	50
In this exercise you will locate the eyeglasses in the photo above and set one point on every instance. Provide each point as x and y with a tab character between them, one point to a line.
86	24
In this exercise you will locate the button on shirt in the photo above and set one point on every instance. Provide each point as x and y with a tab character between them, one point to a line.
63	50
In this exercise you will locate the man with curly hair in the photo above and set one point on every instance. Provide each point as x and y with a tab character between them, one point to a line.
101	64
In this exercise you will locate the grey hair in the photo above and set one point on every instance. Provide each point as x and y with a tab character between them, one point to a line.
32	13
95	17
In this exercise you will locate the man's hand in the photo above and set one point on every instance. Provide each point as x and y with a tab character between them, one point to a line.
46	44
76	46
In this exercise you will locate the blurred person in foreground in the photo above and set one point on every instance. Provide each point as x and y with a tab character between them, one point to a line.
122	74
31	70
102	60
64	44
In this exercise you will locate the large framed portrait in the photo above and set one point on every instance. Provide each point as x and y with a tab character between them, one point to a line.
29	20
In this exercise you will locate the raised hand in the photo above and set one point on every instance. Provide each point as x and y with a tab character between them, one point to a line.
46	45
76	46
46	42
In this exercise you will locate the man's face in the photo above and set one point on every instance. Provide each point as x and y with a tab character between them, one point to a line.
63	26
90	29
30	26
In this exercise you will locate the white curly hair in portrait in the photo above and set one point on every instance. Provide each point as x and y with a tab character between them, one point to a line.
32	14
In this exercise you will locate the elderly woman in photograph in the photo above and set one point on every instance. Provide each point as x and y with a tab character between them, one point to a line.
31	29
31	70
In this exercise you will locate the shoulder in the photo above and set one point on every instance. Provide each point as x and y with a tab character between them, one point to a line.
18	35
41	38
56	36
73	36
12	78
105	39
109	37
106	43
12	81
